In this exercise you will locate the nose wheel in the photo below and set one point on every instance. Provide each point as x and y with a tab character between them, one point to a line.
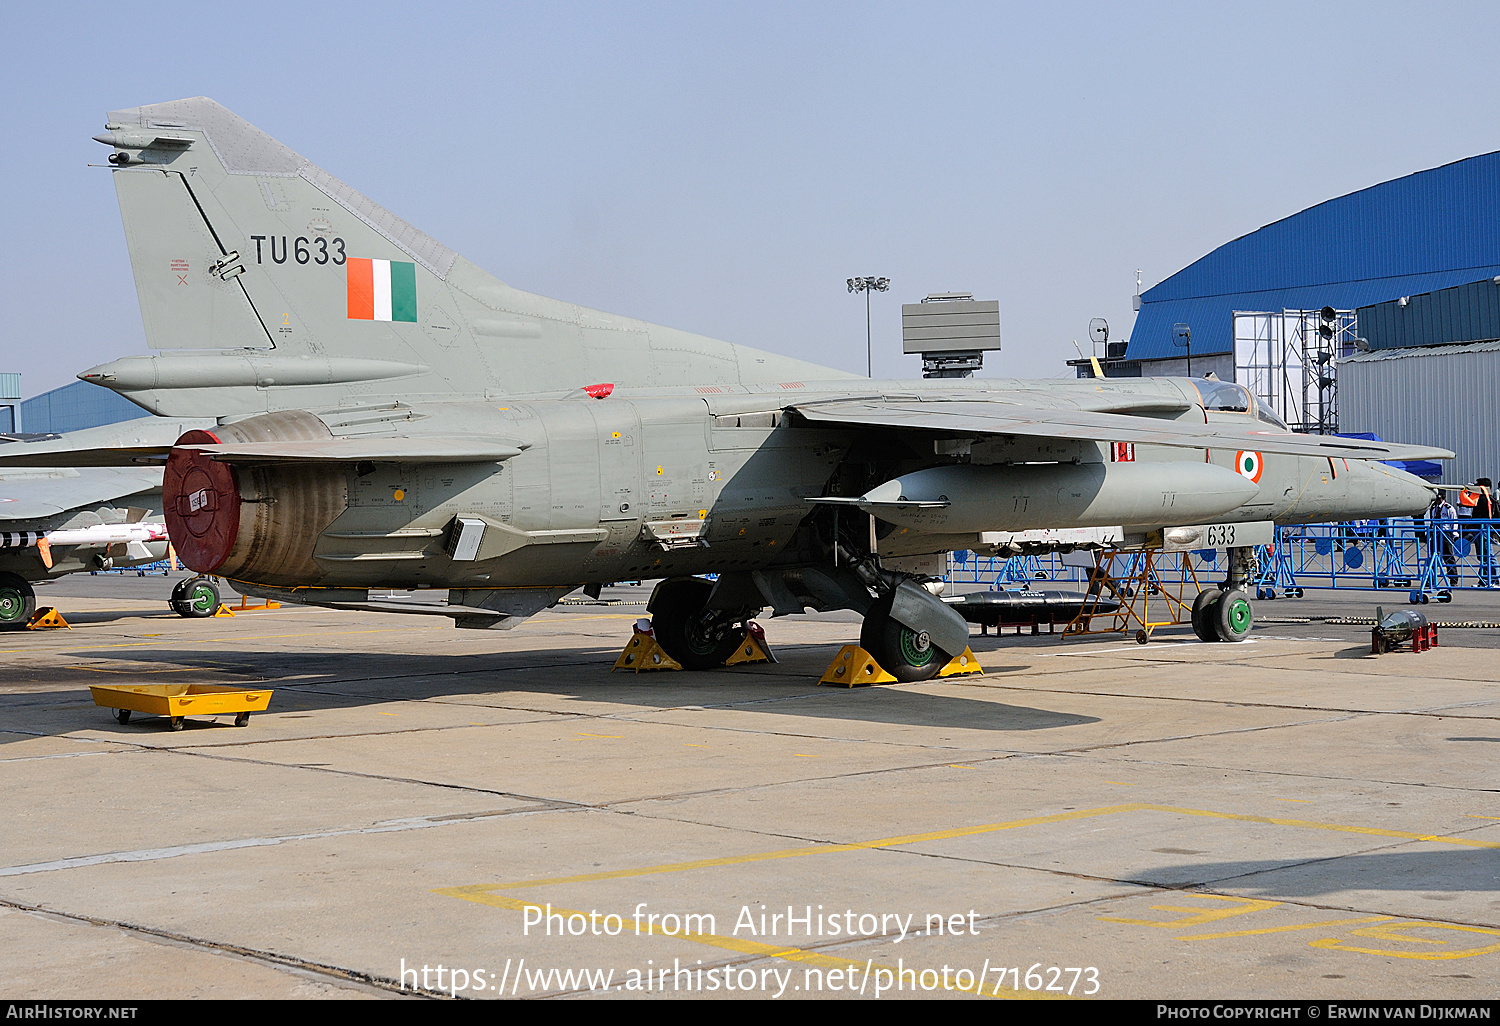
1223	615
17	602
194	598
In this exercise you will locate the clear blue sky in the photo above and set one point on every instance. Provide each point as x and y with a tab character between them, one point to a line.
723	168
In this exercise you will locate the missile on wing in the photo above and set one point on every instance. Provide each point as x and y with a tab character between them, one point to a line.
143	541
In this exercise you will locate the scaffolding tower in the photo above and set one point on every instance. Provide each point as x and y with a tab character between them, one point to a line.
1290	358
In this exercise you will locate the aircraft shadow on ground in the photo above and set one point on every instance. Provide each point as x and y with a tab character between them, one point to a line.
1459	869
331	680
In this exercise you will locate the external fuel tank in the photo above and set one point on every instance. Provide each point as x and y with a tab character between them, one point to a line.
1015	497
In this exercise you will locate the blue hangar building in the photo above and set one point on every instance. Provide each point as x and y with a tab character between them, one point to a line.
1413	235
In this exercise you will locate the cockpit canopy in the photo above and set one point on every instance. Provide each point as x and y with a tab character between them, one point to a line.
1227	397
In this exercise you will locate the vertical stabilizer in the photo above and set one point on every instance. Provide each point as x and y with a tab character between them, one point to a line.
238	242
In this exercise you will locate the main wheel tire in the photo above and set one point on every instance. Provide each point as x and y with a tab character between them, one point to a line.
17	602
199	598
1204	613
677	621
1233	616
908	655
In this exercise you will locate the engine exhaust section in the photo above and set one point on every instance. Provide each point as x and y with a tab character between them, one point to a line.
253	522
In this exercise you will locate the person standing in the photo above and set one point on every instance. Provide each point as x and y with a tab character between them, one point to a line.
1446	535
1483	525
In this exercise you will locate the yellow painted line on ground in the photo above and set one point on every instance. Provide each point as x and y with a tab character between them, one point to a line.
1304	801
614	737
1119	782
218	639
755	949
954	765
1286	929
957	832
801	756
689	744
175	669
1338	827
1197	915
791	853
1396	932
1483	817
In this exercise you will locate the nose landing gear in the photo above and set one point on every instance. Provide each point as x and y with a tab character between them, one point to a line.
1224	613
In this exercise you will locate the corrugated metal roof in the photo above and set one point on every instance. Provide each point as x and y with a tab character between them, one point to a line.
1464	313
1430	395
1491	346
1427	231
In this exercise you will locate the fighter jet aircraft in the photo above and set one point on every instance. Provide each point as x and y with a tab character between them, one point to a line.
392	417
57	521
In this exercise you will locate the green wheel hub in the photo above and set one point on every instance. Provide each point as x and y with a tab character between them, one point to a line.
1239	614
12	604
916	647
202	599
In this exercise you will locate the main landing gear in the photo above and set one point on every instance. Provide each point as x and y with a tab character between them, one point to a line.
697	637
906	654
909	631
1223	612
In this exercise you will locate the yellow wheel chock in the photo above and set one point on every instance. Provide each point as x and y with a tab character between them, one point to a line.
47	616
223	610
642	652
962	665
753	649
854	667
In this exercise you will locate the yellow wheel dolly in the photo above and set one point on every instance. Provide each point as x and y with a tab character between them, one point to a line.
178	701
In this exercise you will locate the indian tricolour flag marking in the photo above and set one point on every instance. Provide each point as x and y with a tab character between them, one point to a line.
382	290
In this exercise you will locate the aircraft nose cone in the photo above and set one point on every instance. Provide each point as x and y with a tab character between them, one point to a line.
1399	494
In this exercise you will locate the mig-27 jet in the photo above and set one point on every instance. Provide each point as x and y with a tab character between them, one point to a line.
391	417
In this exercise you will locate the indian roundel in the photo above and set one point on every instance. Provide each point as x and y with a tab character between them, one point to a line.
1248	464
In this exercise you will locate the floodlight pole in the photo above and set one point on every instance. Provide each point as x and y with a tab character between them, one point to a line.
1182	335
868	285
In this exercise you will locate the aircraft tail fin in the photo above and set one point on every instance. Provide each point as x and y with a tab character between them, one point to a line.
238	242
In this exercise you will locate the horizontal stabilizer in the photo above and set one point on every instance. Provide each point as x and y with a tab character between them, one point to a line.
104	456
330	450
31	495
374	450
981	418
